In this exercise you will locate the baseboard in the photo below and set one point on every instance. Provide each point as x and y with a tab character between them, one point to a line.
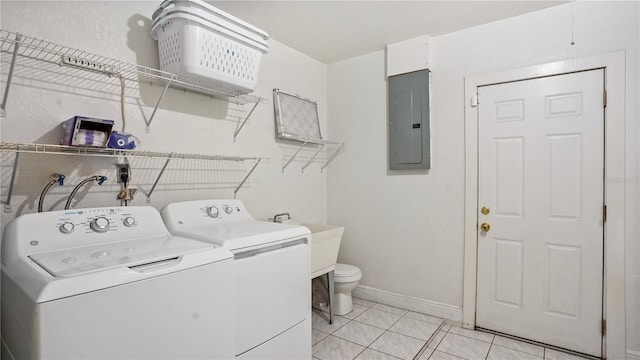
633	355
432	308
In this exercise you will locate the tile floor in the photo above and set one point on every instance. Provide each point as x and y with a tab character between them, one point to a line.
378	332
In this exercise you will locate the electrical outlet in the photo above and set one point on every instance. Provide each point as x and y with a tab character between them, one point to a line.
123	173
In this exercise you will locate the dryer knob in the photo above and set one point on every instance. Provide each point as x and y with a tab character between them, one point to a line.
212	211
67	228
129	221
100	224
228	209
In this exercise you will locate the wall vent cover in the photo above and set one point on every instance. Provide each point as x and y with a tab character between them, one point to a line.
296	117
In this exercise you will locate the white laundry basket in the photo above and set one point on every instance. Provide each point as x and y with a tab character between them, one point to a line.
208	53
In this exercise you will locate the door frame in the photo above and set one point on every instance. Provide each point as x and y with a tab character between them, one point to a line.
614	186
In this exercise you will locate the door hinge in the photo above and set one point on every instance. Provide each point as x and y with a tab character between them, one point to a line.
604	327
474	101
604	213
604	98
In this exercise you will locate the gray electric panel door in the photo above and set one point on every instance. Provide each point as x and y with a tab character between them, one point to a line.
409	121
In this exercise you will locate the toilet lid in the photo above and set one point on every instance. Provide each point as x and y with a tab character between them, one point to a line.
345	270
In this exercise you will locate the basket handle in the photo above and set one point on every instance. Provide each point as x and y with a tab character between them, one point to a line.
163	5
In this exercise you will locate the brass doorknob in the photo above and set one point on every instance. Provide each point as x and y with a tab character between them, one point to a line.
485	227
485	210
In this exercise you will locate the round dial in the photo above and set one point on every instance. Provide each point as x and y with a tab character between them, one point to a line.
129	221
66	228
212	211
100	224
228	209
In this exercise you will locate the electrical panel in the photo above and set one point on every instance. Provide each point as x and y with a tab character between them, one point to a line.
409	135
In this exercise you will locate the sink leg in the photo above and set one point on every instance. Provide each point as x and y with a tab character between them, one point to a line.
330	285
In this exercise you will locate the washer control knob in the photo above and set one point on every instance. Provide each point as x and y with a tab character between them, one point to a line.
212	211
67	228
228	209
100	224
129	221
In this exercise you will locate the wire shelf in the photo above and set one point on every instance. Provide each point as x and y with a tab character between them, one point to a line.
42	50
117	153
105	152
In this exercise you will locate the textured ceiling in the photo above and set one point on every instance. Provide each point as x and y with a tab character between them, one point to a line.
330	31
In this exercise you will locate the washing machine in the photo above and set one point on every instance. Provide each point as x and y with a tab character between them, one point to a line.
271	274
112	283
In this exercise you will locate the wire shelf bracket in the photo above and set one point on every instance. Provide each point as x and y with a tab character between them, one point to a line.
7	204
3	107
324	145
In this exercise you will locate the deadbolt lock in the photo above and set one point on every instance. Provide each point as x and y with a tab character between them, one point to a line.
485	227
485	210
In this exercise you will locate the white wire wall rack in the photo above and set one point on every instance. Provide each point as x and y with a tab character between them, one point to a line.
297	120
117	153
20	46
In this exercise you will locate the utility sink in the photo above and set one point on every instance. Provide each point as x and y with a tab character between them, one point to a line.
325	243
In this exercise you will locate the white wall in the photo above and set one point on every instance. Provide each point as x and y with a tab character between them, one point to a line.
185	122
405	231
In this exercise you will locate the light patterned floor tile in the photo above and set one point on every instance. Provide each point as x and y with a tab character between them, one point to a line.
519	345
378	318
447	326
365	303
398	345
357	310
424	317
415	328
426	354
390	309
317	336
359	333
478	335
550	354
407	333
464	347
370	354
332	348
320	321
437	339
439	355
498	352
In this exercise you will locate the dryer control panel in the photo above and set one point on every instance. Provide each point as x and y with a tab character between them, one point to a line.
208	211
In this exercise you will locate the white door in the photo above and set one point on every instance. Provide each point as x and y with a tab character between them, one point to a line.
540	178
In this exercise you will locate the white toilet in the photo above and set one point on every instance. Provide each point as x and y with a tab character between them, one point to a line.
345	278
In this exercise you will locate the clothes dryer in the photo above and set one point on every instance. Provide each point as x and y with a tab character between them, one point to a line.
271	274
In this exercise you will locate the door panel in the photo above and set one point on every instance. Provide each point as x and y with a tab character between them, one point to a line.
541	162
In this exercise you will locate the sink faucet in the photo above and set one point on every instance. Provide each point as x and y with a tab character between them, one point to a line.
276	217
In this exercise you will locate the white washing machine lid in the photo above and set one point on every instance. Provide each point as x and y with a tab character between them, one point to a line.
83	260
234	235
46	276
